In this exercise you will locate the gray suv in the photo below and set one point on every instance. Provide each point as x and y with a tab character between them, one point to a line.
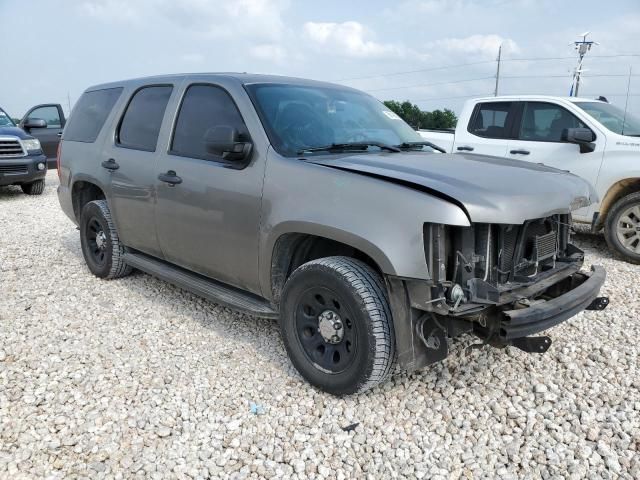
314	204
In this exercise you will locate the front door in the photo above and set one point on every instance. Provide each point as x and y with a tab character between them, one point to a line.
539	140
209	221
131	159
50	136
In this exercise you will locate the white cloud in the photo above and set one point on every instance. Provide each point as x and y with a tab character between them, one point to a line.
270	52
348	38
485	46
216	18
111	10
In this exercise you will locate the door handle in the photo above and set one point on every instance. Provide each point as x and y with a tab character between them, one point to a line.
110	164
59	134
465	148
170	177
520	152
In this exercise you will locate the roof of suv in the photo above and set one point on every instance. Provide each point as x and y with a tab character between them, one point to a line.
243	78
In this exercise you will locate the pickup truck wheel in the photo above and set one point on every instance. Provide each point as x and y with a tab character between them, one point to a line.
622	228
33	188
336	325
101	246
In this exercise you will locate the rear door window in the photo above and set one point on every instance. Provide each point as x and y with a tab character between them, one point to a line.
141	122
90	113
492	120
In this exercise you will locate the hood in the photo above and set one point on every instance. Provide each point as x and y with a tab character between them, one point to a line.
14	132
489	189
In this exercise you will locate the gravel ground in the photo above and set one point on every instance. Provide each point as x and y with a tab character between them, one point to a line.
137	378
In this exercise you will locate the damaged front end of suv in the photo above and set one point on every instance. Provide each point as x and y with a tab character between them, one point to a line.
502	283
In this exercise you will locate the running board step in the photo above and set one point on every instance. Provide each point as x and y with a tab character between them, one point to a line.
212	290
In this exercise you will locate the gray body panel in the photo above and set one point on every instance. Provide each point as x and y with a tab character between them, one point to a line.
491	189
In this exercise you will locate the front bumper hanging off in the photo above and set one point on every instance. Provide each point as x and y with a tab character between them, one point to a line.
422	338
522	322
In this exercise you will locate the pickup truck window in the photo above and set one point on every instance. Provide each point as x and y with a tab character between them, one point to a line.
90	113
203	108
612	117
140	125
49	114
300	117
492	120
545	122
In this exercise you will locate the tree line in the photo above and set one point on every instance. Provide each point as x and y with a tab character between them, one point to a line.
417	118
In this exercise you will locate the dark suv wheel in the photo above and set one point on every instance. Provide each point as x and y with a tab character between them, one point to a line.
33	188
101	246
336	325
622	228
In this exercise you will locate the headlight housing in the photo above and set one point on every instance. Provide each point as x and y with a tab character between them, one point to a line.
31	144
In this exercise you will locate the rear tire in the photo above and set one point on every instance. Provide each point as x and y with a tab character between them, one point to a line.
622	228
33	188
101	247
336	324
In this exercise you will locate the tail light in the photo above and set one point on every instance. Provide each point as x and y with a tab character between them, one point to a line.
59	158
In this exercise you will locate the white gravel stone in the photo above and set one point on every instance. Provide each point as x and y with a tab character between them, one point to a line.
136	378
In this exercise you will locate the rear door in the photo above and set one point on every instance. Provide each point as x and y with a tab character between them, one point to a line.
209	222
539	139
489	130
130	157
50	136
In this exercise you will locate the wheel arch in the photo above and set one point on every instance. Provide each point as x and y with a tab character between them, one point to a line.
618	190
292	249
83	191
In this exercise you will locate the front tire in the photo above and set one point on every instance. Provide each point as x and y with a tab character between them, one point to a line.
336	325
33	188
622	228
101	247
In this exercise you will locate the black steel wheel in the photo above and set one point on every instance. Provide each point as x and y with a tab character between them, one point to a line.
327	333
101	247
336	325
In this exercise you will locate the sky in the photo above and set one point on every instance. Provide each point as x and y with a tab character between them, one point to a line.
435	53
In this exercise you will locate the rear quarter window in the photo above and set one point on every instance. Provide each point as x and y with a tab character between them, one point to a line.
90	113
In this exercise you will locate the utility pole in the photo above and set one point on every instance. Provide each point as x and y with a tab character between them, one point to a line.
626	102
495	92
582	47
69	102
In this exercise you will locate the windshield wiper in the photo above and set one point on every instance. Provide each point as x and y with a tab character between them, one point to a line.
349	146
408	145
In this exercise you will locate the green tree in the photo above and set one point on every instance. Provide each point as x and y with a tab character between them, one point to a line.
417	118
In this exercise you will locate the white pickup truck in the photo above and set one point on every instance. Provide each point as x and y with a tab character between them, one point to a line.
590	138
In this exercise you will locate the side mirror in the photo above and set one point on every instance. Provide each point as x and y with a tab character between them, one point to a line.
582	136
30	123
225	141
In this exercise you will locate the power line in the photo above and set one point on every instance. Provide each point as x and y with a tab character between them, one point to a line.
443	67
458	65
417	85
430	84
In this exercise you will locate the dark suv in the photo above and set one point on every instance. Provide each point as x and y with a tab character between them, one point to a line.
22	160
314	204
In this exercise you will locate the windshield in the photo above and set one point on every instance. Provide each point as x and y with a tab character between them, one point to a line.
298	118
5	120
612	117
